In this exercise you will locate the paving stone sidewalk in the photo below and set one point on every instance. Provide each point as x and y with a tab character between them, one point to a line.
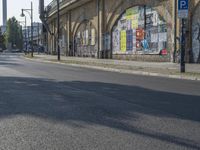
166	69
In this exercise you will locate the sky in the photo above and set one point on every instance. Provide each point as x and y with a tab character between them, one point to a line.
15	6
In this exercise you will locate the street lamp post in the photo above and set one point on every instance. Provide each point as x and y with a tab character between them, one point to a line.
25	32
58	28
30	12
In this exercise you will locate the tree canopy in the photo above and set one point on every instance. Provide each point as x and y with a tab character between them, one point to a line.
14	35
2	40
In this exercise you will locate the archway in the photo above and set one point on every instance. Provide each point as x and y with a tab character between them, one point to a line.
139	30
85	44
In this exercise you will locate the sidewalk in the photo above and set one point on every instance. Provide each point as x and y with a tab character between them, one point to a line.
162	69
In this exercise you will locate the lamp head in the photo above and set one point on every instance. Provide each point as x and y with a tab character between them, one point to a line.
22	14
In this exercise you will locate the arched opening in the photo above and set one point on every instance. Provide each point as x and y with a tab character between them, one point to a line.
196	35
85	44
140	30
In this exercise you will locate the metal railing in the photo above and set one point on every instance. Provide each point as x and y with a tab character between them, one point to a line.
52	6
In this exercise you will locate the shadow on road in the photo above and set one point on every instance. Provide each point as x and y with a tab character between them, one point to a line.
96	103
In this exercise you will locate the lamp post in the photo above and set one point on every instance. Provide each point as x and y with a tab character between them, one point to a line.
30	12
58	28
25	32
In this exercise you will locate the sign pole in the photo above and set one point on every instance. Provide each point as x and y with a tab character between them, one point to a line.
183	6
182	63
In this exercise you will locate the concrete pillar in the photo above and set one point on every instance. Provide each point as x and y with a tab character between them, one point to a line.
69	35
100	26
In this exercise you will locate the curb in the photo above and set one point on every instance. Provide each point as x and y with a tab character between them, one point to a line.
124	71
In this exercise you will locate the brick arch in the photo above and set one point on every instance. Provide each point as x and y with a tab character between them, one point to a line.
77	25
114	18
90	52
195	8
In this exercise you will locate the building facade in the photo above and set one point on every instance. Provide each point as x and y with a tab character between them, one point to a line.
122	29
37	35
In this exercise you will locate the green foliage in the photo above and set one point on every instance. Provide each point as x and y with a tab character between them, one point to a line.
14	33
2	40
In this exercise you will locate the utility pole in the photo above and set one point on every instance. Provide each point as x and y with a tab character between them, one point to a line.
32	29
58	28
25	34
183	7
30	11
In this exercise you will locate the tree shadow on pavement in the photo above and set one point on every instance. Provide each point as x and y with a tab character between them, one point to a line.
110	105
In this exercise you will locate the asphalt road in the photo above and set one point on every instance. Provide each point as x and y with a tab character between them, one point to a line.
57	107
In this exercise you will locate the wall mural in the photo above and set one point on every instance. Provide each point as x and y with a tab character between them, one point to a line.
140	30
196	43
196	35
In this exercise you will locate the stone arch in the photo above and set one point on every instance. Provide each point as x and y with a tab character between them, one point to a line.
84	39
157	21
114	18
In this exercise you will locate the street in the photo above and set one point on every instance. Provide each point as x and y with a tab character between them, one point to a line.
46	106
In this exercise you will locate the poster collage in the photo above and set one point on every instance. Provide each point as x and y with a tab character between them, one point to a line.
140	30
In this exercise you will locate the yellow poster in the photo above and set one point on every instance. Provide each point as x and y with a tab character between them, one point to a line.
135	21
123	40
93	37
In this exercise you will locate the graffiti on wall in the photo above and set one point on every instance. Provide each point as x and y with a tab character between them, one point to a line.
85	41
140	30
196	43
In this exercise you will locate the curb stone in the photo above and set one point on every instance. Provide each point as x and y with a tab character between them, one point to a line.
119	70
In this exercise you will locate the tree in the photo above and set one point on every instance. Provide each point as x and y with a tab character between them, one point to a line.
2	40
14	33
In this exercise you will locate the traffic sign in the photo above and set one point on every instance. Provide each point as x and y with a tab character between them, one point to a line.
183	8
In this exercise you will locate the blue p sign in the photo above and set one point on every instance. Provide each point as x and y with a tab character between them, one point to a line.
183	4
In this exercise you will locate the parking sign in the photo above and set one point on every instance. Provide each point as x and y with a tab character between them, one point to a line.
183	8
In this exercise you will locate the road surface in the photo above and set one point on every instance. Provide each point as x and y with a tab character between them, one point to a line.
47	106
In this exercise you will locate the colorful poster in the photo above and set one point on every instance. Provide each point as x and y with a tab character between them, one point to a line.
135	22
154	37
116	40
163	37
123	40
130	12
86	37
129	24
129	40
83	38
93	37
138	45
134	39
140	34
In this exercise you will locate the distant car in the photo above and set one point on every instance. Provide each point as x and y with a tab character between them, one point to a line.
1	50
16	51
